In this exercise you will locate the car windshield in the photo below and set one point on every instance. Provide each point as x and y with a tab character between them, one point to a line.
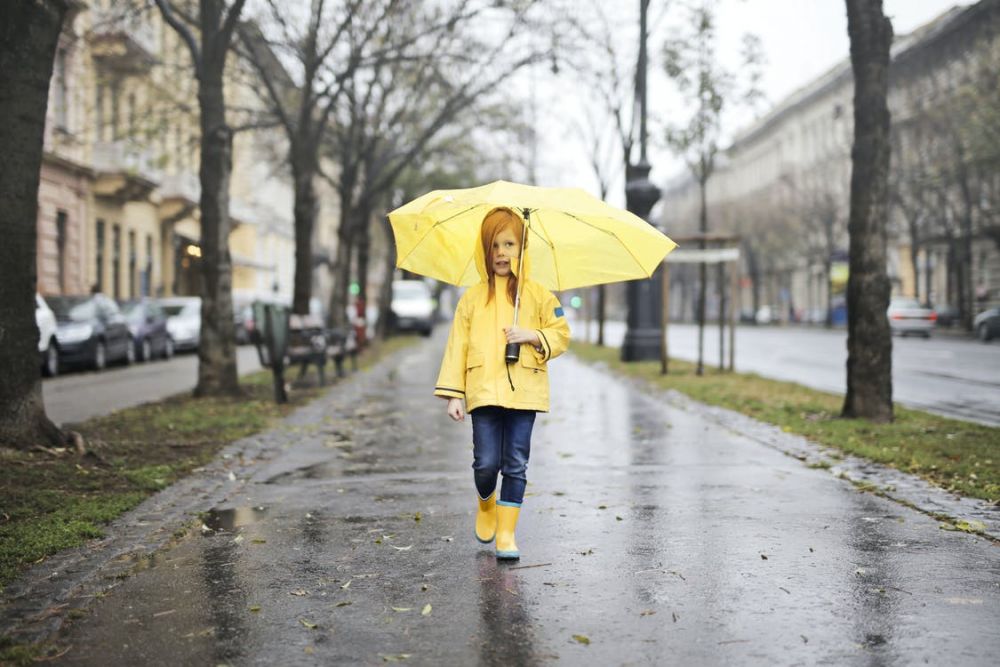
905	303
410	291
174	309
73	309
133	312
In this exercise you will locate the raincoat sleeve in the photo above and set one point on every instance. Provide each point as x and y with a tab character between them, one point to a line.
451	377
554	332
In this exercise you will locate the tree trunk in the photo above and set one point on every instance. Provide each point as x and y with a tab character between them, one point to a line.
602	296
217	348
385	293
364	241
303	159
29	33
869	342
341	269
702	275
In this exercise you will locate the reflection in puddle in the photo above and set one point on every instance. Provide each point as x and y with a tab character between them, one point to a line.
230	519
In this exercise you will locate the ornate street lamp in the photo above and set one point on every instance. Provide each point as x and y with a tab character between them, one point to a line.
644	333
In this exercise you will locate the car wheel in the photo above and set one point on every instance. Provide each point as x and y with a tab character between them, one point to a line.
100	356
130	353
146	350
983	332
51	366
168	348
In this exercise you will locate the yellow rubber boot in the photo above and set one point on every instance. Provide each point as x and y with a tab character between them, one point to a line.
507	514
486	519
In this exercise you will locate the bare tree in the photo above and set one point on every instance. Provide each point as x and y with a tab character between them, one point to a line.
692	64
869	342
29	34
209	45
395	110
324	58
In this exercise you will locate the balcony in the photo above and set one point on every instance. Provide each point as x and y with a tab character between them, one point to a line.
123	172
123	39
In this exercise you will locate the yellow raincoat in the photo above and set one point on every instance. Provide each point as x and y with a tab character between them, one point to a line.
473	366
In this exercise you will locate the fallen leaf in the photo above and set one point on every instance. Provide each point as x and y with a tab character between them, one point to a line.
618	518
347	585
424	587
406	548
344	603
426	611
763	557
399	657
164	613
602	507
255	608
583	639
647	612
674	614
237	539
259	540
308	650
417	516
447	538
311	626
299	592
588	552
402	608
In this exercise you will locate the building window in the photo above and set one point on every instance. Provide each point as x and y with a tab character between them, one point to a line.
61	219
147	279
100	256
115	126
133	265
116	261
61	91
99	111
131	117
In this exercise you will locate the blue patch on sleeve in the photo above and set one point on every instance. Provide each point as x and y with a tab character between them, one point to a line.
559	312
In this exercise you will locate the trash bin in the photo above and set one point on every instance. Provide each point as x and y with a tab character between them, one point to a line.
270	336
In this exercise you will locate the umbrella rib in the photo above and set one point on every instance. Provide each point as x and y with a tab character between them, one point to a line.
555	260
609	232
399	263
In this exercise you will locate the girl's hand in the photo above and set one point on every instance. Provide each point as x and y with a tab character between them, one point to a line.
455	409
516	334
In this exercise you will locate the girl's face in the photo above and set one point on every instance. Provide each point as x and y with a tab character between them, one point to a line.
506	246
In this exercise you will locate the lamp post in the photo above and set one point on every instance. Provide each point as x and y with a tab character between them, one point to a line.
644	329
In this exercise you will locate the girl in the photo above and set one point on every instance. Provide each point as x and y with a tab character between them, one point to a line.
502	398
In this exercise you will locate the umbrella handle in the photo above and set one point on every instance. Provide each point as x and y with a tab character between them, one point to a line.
512	352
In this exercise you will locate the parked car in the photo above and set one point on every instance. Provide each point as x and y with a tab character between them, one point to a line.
48	349
148	325
183	320
243	323
907	316
987	324
91	331
947	316
412	307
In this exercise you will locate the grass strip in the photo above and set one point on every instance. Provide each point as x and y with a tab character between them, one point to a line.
958	456
49	503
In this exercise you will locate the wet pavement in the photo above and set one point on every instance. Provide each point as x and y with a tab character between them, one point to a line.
651	534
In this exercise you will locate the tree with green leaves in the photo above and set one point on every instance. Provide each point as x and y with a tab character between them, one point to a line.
869	339
692	64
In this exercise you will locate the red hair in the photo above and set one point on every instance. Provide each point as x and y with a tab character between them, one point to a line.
496	221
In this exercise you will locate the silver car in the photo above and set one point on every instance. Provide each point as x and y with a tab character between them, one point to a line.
183	320
907	316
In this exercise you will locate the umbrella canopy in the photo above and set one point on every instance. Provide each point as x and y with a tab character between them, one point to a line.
574	238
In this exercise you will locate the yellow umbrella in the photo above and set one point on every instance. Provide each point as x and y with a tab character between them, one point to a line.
575	239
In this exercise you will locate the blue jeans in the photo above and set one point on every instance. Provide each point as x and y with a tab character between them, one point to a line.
501	442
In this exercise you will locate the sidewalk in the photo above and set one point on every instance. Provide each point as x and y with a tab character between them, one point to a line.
653	532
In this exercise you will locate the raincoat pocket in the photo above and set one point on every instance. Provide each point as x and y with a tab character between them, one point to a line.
528	360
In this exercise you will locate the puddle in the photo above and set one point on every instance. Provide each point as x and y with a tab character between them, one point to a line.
230	519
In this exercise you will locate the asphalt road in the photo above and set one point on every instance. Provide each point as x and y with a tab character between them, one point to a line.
650	534
948	375
74	397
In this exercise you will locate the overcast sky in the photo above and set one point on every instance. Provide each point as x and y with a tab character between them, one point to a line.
801	40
